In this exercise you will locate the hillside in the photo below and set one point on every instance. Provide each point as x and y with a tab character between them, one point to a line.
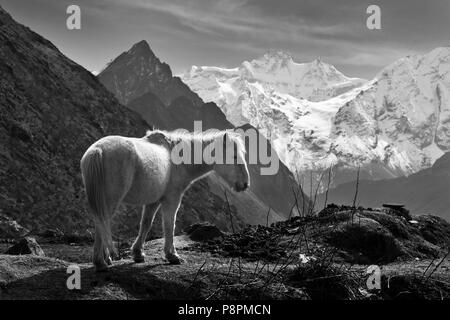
425	192
317	258
51	111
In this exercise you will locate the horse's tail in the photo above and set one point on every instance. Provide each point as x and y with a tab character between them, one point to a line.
93	173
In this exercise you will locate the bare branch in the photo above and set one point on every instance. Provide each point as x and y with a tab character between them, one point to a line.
328	186
229	211
357	186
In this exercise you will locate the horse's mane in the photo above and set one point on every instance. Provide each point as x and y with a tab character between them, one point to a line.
209	135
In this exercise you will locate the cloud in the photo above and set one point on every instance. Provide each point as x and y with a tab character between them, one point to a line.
243	25
235	19
226	32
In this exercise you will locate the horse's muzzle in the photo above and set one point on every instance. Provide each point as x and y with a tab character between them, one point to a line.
240	186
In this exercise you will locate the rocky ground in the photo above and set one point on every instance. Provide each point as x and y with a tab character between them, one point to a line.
303	258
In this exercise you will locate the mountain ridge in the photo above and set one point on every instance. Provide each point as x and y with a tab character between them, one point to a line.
149	74
393	125
424	192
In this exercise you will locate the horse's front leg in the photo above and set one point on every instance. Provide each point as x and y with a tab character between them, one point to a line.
170	207
148	214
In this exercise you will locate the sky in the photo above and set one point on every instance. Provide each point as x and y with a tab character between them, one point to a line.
227	32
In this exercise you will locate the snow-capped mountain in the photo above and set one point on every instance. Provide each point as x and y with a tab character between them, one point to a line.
393	125
275	71
404	113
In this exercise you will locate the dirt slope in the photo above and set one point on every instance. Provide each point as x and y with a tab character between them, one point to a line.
297	259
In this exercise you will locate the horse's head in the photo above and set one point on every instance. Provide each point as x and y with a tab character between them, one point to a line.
234	167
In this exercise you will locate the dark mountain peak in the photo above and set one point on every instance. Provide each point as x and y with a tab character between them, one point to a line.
142	44
141	56
138	71
141	48
5	17
135	72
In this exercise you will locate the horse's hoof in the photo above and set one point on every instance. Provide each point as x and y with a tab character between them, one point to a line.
109	261
101	268
139	258
175	259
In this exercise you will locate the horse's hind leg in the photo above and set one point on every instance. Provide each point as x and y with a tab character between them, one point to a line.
103	244
170	207
148	214
101	257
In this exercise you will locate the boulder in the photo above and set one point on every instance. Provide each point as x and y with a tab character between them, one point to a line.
10	229
366	241
203	232
27	245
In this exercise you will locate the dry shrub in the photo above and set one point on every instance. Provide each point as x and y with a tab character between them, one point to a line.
325	281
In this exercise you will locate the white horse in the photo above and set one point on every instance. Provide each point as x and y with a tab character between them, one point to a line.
140	171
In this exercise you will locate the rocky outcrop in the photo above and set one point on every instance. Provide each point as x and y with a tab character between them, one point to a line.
27	245
203	232
10	229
